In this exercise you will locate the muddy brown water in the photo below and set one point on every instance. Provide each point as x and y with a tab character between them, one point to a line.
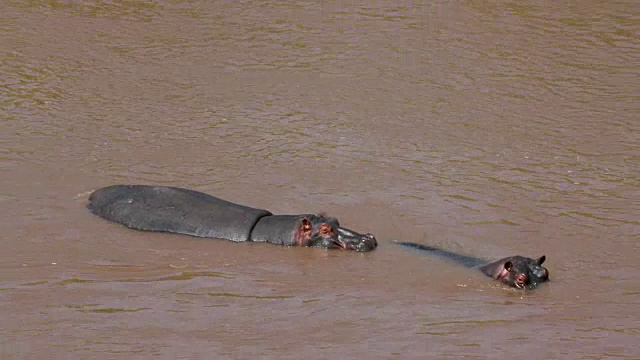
489	128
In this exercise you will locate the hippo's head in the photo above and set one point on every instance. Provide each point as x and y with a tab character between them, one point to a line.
325	232
518	271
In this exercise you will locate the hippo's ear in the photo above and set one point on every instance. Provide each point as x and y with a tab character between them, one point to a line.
541	259
305	226
508	265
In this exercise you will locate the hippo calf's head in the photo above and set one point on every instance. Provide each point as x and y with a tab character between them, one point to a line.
518	271
325	232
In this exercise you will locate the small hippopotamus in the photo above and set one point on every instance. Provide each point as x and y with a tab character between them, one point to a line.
183	211
516	271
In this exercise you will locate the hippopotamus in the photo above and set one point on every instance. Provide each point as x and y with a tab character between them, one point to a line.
516	271
184	211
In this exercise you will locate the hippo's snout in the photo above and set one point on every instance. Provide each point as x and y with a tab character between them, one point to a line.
351	240
369	242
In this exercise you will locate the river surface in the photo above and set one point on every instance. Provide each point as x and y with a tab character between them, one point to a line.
490	128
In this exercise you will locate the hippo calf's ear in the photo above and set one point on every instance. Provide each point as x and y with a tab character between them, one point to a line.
508	265
541	259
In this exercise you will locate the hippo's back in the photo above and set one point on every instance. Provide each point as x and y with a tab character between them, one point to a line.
172	209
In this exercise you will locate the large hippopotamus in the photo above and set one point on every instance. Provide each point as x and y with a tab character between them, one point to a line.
516	271
177	210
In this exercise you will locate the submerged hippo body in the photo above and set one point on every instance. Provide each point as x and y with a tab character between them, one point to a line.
516	271
183	211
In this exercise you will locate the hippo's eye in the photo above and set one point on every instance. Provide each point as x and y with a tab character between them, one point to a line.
325	229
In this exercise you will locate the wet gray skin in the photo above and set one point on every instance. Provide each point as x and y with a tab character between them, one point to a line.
184	211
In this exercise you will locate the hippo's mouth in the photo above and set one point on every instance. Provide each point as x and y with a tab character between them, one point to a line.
341	244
